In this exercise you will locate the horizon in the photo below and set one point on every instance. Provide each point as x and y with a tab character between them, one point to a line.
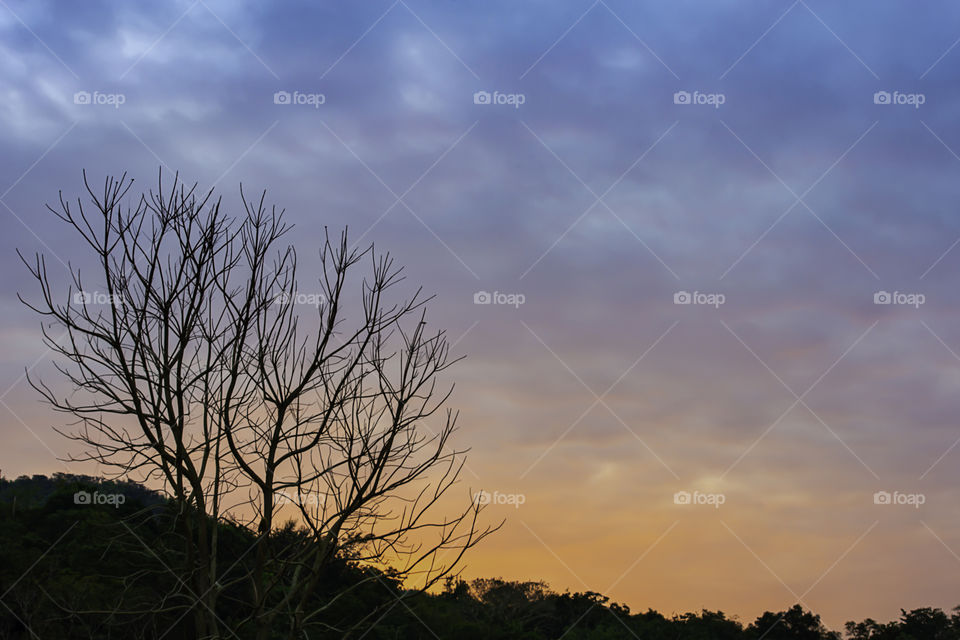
700	260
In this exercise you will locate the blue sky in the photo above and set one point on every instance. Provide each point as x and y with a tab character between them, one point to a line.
795	158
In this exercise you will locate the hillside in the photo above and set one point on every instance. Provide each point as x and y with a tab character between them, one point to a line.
74	568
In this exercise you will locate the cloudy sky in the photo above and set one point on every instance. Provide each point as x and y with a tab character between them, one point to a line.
789	170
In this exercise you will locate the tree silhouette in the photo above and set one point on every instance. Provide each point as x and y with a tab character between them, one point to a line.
793	624
190	361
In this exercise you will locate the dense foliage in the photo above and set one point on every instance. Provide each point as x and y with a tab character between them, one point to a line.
68	569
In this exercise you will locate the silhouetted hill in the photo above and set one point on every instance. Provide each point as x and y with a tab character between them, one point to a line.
99	568
34	491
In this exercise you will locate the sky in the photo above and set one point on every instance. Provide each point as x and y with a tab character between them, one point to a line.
701	257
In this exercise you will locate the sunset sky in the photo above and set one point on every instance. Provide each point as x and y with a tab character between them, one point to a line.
593	164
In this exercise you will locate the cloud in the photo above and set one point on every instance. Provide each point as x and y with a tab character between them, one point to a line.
597	198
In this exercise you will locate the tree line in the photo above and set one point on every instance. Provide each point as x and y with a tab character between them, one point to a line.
83	570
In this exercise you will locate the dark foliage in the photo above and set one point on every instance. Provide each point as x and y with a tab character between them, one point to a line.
83	570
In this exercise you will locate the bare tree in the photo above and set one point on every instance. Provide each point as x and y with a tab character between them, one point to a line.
196	365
